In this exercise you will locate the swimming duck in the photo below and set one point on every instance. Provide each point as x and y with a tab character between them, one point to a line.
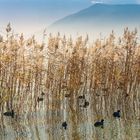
9	113
117	114
81	97
99	124
39	99
64	125
86	104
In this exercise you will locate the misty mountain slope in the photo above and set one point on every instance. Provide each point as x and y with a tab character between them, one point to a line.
100	17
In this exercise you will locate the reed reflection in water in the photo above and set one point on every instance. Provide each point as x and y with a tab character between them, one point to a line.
37	126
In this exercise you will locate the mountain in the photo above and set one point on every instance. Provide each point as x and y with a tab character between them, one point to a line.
100	18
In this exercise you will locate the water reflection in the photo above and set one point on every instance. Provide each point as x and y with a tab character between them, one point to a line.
44	125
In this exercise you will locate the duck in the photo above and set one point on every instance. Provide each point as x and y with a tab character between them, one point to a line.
64	125
86	104
99	124
39	99
81	97
9	113
117	114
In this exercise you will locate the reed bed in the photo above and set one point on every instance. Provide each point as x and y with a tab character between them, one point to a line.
107	72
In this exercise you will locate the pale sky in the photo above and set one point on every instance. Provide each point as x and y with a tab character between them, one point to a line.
34	15
117	1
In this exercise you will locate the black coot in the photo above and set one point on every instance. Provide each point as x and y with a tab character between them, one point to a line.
39	99
64	125
99	124
117	114
9	113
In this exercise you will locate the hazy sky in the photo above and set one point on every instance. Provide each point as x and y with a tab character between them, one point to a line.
33	15
117	1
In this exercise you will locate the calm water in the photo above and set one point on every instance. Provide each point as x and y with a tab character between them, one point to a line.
46	125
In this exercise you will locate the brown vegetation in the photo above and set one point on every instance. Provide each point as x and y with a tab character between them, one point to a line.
107	72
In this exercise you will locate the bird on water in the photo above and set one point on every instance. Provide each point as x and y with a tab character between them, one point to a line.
81	97
64	125
86	104
9	113
117	114
39	99
99	124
